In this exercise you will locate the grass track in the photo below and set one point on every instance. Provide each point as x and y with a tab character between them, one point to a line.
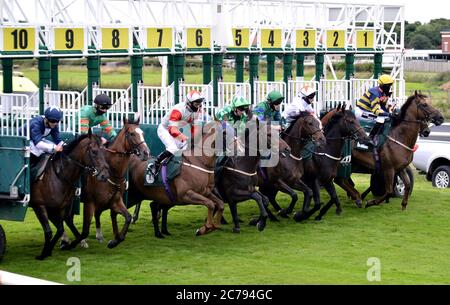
413	247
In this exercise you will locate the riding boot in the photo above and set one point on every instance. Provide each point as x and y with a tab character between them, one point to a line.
374	132
160	159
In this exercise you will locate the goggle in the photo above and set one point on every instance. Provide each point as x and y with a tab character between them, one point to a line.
278	101
242	108
52	121
104	107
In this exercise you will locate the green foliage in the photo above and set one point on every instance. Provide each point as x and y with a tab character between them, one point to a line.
424	36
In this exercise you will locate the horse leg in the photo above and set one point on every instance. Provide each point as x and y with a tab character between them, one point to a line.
333	199
58	221
73	229
271	193
307	194
406	181
305	213
219	208
41	214
366	192
137	209
119	208
234	215
258	197
154	206
348	186
165	212
98	229
88	213
192	197
388	183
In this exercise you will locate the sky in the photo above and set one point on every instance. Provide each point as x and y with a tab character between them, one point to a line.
415	10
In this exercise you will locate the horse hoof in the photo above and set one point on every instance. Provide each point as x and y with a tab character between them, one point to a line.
358	203
199	232
84	244
40	257
236	230
283	214
64	245
165	232
112	244
253	222
134	220
261	225
100	240
403	207
338	212
318	218
298	217
223	221
159	235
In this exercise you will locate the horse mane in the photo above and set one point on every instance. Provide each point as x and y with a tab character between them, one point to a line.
398	119
302	114
72	144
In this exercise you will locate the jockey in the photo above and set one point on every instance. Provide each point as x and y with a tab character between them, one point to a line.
92	115
269	109
41	127
302	103
371	106
181	115
237	111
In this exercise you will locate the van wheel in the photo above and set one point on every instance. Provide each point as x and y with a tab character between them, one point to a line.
441	177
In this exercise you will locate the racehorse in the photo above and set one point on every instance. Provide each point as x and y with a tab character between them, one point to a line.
129	141
52	196
286	176
238	177
193	185
321	169
397	152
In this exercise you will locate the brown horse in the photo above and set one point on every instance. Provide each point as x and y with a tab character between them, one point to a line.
51	197
286	176
193	185
397	152
129	141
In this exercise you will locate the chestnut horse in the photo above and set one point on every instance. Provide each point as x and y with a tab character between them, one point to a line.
129	141
397	153
193	185
51	197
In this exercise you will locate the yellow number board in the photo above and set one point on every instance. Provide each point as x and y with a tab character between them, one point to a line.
335	39
365	39
241	38
19	39
69	39
198	38
115	38
271	38
306	39
159	38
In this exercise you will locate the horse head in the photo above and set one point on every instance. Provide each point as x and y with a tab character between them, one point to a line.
88	152
423	109
347	125
134	137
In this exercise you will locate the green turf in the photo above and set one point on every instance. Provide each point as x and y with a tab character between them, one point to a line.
413	247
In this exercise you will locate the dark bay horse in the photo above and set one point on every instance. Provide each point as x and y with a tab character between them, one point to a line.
286	176
321	169
397	152
194	184
238	178
51	197
129	141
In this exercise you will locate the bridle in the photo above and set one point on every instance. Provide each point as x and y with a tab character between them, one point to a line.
134	147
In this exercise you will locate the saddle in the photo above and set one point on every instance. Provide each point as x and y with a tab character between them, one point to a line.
380	137
37	171
170	169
